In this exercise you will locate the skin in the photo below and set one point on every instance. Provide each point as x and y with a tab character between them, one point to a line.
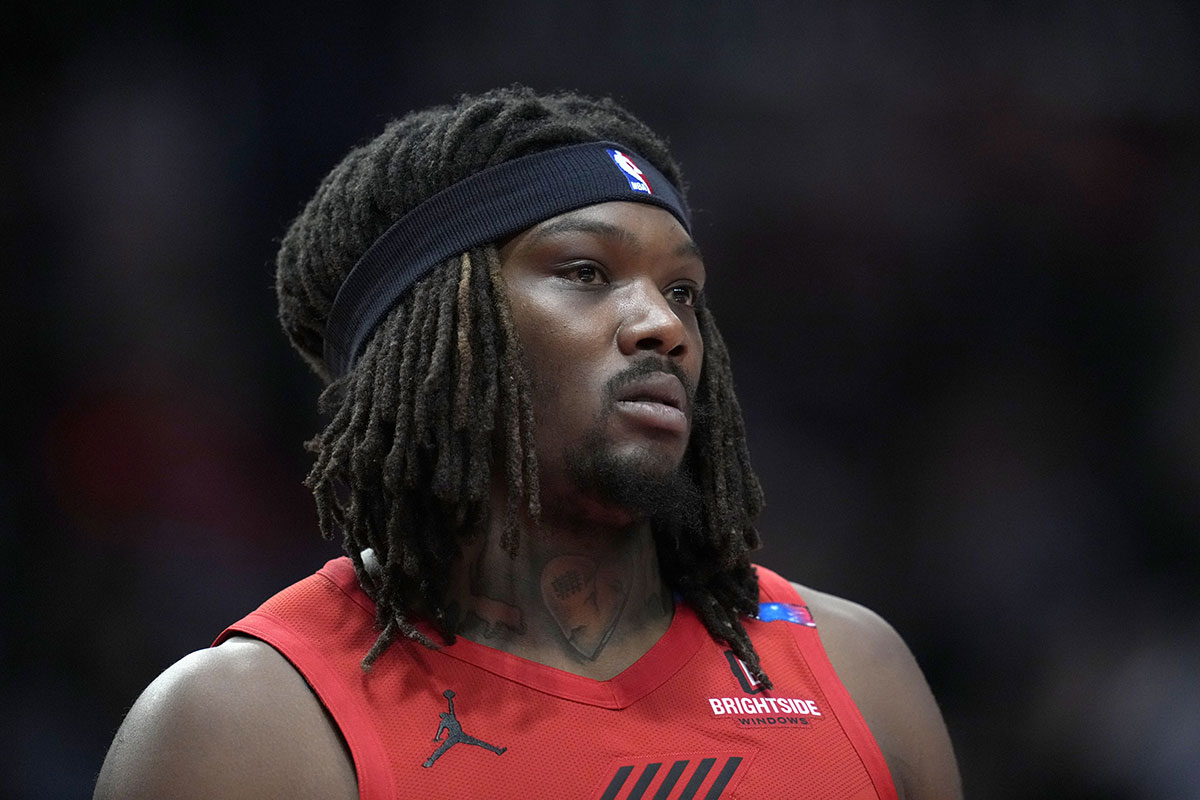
593	292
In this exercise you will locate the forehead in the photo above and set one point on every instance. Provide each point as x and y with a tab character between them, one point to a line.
635	225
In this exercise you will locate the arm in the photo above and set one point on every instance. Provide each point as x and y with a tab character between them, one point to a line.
889	689
230	722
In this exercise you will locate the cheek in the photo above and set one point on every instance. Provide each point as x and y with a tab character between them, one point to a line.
545	347
557	340
556	363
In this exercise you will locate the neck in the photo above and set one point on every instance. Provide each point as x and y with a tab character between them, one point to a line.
584	593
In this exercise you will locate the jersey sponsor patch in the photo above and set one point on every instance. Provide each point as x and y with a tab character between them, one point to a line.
679	776
637	178
760	710
765	710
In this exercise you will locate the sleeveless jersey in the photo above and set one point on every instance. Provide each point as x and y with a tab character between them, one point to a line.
686	721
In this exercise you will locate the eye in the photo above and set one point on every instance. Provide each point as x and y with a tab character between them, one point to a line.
684	294
588	274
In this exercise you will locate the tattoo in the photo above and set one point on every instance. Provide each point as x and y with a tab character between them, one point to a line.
586	600
567	584
494	615
488	615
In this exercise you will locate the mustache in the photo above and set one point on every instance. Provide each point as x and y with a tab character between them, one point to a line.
648	366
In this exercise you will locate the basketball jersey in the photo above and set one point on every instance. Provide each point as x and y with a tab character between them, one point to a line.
686	721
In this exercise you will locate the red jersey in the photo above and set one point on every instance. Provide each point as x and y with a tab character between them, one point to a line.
685	721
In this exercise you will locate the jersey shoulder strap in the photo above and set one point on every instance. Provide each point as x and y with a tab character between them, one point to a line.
779	599
324	625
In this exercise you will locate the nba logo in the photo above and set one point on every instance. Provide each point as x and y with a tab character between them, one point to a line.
637	179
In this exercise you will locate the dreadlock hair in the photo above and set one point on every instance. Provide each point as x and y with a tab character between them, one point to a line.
439	399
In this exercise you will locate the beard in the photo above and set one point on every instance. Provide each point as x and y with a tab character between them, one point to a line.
637	486
640	485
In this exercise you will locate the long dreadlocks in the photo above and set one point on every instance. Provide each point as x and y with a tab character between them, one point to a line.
439	398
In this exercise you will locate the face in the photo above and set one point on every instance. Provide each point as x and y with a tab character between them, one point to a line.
603	301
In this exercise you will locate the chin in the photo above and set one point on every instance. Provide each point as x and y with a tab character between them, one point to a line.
641	483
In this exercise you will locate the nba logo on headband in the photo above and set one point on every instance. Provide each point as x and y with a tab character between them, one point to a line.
637	179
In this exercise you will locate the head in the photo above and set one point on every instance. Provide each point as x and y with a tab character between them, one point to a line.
604	300
490	368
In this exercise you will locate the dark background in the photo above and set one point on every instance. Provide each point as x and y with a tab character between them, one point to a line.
953	249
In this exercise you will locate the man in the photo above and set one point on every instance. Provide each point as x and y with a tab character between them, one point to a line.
537	466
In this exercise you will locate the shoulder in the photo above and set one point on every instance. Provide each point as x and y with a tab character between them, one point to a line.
232	721
887	685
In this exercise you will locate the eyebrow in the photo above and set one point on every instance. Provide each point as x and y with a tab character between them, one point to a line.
566	225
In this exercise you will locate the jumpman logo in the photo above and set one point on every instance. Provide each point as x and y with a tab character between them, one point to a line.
454	734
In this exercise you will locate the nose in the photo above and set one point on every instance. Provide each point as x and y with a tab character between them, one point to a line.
651	323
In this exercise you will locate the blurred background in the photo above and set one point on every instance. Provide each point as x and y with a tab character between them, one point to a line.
953	248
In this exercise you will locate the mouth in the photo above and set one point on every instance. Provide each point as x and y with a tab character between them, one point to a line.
657	400
659	387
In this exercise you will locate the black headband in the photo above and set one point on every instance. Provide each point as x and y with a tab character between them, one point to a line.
488	206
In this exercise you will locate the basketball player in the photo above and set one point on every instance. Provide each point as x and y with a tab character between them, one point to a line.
537	467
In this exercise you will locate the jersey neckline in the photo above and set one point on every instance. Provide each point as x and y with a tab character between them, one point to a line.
667	656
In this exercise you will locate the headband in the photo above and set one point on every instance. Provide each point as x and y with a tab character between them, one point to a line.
488	206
